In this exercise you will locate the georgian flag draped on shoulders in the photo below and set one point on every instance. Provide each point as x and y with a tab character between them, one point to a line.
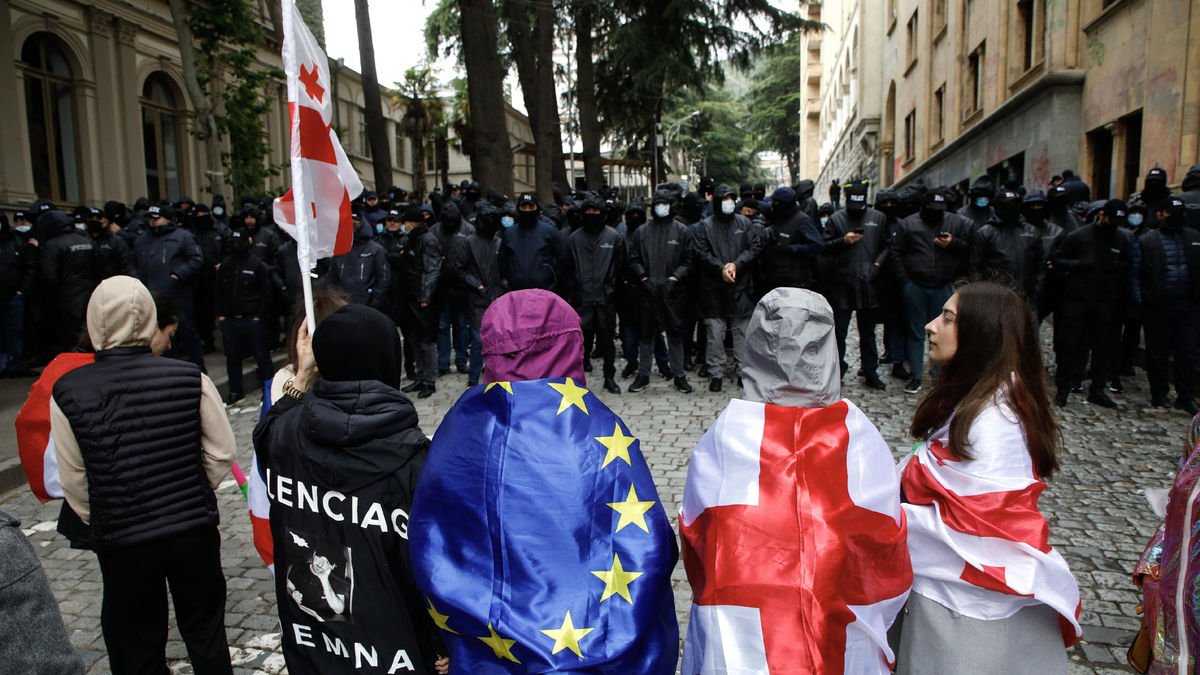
539	540
979	544
794	543
34	444
323	180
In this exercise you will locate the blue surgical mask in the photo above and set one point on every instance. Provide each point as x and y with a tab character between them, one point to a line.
507	221
1136	219
378	228
982	202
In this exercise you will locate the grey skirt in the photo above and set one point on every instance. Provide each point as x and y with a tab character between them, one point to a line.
937	641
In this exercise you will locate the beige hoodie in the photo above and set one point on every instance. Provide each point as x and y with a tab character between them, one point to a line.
121	314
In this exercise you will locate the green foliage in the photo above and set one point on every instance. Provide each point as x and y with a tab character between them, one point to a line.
717	140
228	34
442	31
774	101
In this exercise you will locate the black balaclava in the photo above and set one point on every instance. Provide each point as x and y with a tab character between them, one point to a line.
358	343
1174	207
635	216
934	208
240	243
1116	212
592	222
1154	189
202	218
1008	208
451	217
1034	208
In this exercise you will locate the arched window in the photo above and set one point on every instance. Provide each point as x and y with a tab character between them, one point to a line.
50	113
162	138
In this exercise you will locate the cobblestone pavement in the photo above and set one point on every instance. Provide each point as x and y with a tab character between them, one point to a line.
1098	515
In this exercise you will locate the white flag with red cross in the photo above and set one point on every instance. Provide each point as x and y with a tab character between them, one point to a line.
979	543
323	180
794	543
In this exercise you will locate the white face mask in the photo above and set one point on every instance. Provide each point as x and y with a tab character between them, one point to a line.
662	210
727	206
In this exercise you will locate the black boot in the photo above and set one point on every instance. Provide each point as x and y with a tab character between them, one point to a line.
714	384
682	385
639	383
611	386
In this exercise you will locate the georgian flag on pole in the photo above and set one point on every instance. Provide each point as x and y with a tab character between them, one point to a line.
979	544
316	211
794	543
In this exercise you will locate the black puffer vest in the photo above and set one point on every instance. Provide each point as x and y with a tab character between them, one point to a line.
137	420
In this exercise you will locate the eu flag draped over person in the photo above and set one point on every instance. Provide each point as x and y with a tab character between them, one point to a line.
539	539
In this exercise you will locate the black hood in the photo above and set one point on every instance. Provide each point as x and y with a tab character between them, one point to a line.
51	224
451	217
1192	180
361	432
804	189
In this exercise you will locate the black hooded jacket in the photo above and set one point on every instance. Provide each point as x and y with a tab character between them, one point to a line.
475	260
451	227
721	239
1095	264
67	265
421	265
363	272
1191	196
16	265
790	248
1011	250
919	260
342	468
857	265
597	261
533	256
165	251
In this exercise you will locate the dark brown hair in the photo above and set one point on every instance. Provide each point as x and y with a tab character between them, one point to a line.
998	355
326	301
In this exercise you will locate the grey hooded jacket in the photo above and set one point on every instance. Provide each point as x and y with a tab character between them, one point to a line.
790	356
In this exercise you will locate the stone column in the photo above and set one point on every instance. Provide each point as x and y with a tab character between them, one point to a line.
16	172
114	146
1117	129
129	111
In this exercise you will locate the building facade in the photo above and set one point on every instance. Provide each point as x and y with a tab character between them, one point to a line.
851	95
1022	90
96	108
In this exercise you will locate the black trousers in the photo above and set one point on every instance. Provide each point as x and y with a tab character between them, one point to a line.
133	613
1172	330
1080	327
242	335
598	322
867	346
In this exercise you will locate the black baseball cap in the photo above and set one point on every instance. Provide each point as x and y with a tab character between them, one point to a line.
936	201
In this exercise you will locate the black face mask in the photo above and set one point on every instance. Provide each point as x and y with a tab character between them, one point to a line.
1008	212
1036	217
203	221
932	216
593	221
94	227
241	247
527	217
635	220
1171	224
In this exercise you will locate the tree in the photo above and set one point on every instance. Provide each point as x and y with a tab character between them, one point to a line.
377	136
532	44
422	116
226	32
647	49
491	156
774	104
713	131
589	113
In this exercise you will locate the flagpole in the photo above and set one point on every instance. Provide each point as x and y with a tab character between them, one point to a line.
300	201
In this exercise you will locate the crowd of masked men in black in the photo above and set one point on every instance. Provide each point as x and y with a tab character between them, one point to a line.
669	284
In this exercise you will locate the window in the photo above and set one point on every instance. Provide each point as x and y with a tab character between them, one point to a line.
910	135
430	158
973	90
401	158
50	114
1031	32
938	113
912	39
364	139
163	130
939	17
1100	148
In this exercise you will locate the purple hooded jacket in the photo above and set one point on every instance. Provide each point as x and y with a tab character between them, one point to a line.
531	335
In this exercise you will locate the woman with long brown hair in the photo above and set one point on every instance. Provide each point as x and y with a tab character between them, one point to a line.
990	595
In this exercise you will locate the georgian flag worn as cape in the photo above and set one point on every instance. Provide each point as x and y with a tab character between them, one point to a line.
34	444
979	544
323	180
794	543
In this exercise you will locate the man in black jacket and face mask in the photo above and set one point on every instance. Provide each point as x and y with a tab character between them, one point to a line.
422	271
596	257
724	251
339	436
67	272
1170	283
1095	264
453	324
1009	250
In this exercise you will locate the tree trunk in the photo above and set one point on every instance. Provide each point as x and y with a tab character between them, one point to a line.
200	102
418	143
533	52
491	155
589	111
441	148
377	136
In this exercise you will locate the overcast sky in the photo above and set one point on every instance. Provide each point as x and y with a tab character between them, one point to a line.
398	30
